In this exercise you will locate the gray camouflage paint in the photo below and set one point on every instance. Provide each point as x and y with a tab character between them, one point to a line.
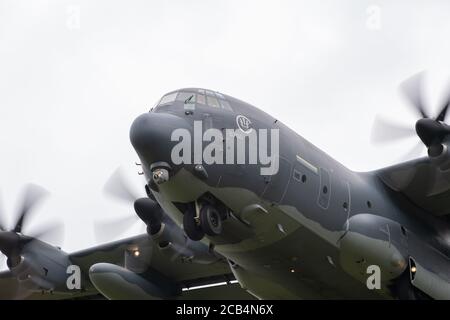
287	237
328	238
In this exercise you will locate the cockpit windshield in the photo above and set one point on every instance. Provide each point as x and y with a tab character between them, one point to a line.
186	97
200	97
168	98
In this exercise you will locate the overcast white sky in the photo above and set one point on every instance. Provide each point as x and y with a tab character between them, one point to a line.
74	74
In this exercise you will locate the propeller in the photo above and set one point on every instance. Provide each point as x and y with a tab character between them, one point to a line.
13	240
431	130
147	210
118	187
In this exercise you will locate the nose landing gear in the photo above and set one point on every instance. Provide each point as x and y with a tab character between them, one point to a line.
198	222
191	225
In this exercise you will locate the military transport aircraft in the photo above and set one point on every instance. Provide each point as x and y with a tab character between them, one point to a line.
237	198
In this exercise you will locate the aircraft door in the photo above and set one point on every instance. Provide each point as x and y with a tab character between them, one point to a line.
323	199
277	183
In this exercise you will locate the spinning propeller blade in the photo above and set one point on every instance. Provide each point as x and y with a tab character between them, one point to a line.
431	130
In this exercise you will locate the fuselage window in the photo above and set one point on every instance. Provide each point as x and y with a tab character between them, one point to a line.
212	102
168	98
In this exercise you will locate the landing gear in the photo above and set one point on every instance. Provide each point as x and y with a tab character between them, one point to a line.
208	222
190	225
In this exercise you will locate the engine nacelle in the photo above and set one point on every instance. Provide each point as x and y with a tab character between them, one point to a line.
440	156
30	275
117	283
33	274
41	267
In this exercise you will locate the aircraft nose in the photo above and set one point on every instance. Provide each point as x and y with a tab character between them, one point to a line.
150	135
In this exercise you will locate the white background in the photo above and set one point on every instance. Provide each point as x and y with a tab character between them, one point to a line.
74	75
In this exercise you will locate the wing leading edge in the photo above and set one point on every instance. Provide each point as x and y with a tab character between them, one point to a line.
424	183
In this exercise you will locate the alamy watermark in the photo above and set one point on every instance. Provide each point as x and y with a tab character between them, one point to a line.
244	145
374	279
373	21
73	20
73	281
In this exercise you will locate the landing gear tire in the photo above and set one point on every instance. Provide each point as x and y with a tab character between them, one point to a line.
192	229
210	220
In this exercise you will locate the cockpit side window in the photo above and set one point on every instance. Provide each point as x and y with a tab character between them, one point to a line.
225	105
168	98
212	102
201	99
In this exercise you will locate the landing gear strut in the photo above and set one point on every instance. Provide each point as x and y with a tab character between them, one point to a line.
190	225
209	222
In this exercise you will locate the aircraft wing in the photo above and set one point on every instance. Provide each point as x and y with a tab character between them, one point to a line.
8	285
422	182
10	289
175	269
186	274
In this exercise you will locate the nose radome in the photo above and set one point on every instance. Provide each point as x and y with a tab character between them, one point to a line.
150	135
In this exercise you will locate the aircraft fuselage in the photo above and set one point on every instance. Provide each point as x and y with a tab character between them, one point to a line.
295	222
